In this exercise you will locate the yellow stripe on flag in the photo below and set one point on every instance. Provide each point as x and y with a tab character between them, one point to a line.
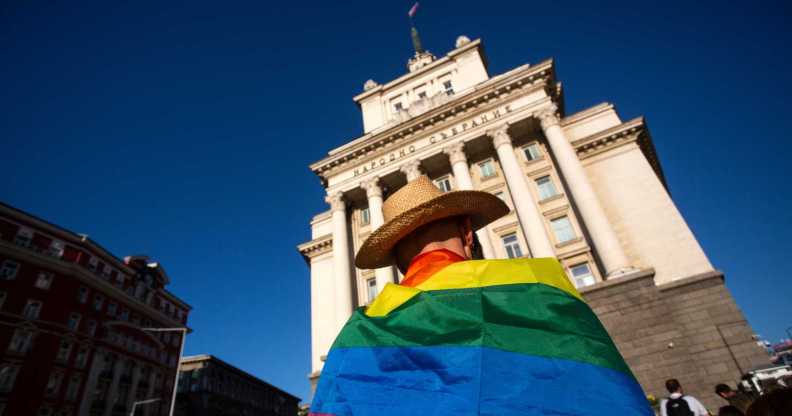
478	273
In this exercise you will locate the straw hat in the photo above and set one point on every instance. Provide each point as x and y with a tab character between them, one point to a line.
419	203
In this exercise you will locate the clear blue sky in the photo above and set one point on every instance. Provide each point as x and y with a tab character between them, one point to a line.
184	130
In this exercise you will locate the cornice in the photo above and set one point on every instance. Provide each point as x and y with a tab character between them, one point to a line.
634	130
583	114
316	247
78	272
408	76
524	78
84	242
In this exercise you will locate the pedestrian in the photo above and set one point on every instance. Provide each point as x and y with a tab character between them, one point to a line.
777	402
737	399
680	404
460	336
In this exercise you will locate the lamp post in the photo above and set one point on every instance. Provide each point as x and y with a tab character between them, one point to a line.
134	405
178	361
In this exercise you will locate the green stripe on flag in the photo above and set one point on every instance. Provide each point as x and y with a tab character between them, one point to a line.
533	319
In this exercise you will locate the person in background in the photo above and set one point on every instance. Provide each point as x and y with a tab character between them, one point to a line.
680	404
737	399
775	403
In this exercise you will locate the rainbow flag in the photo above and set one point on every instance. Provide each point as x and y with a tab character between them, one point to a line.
480	337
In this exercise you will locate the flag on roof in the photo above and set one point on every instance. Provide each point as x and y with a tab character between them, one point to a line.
413	10
482	337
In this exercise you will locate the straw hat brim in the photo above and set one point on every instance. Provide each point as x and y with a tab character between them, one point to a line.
482	207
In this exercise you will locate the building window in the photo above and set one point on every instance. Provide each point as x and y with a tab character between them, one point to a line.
44	410
64	351
74	321
2	301
371	289
73	388
124	314
44	280
24	237
91	328
532	151
82	294
32	309
448	88
398	107
444	183
512	246
562	228
21	342
98	302
581	275
8	374
112	308
546	187
9	270
53	385
56	249
82	357
487	169
93	263
365	216
422	95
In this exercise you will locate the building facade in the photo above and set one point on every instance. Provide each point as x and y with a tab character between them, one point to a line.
209	386
73	319
587	188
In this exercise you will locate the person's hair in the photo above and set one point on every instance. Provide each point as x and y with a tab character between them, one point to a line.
672	385
774	403
729	411
722	388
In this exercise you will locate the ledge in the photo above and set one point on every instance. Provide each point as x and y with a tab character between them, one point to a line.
714	274
616	281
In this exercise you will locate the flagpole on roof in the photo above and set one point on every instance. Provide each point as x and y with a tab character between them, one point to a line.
416	39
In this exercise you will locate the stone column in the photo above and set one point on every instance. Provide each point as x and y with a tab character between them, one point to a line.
531	220
133	388
147	409
604	238
90	384
412	169
341	268
384	275
456	155
112	392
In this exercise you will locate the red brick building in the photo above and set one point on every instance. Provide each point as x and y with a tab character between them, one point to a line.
73	319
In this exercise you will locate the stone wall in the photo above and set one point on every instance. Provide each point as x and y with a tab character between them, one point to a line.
690	329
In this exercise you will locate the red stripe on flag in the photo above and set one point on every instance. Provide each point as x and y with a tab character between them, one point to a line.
414	9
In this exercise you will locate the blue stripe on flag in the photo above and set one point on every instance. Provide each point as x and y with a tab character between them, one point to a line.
390	381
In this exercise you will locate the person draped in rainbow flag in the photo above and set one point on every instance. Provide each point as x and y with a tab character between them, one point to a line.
469	337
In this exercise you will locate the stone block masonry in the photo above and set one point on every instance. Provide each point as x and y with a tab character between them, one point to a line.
690	329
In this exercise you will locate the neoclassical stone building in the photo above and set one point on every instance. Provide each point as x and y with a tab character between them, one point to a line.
587	188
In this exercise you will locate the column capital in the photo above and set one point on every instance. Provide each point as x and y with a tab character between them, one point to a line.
500	135
456	153
372	187
336	201
412	169
548	116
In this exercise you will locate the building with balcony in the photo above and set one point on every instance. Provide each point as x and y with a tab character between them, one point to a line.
209	386
587	188
73	319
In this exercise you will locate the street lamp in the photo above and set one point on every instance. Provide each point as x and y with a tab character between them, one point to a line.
134	405
178	361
